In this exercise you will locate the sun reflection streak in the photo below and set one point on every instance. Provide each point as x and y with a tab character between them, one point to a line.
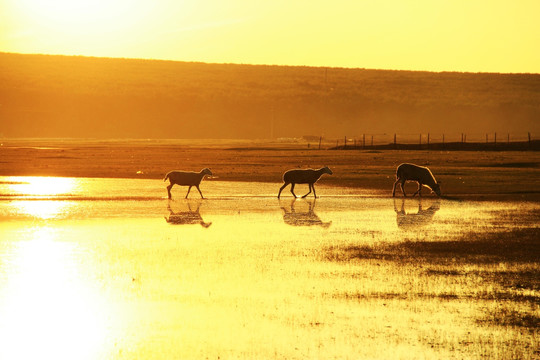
46	309
38	196
42	185
43	209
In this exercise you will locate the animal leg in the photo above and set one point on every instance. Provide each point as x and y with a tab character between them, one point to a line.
418	191
394	188
314	193
402	184
169	190
188	190
281	188
202	197
308	192
292	189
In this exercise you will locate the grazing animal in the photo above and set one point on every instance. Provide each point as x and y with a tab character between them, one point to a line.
421	174
306	176
186	178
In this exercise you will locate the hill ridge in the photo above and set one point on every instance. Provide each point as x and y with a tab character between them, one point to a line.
77	96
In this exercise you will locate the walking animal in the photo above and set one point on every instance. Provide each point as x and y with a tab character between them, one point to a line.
186	178
306	176
421	174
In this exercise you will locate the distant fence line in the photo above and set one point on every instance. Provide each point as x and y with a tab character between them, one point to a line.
462	141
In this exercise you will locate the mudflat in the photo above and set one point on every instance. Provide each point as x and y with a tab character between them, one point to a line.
478	174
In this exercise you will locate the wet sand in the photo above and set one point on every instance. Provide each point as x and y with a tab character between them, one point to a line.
469	174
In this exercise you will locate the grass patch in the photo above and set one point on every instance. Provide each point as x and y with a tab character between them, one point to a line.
516	245
503	316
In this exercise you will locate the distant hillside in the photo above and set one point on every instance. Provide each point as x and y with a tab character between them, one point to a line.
60	96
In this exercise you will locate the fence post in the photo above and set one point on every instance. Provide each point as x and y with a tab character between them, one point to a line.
529	135
345	143
495	138
363	141
428	140
320	139
371	140
395	143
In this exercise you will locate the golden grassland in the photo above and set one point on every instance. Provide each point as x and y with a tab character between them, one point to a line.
511	174
62	96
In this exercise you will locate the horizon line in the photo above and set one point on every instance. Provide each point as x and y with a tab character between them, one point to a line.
265	64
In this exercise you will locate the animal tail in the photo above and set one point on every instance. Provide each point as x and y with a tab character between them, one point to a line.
166	177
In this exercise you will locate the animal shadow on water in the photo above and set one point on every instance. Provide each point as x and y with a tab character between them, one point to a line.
305	218
186	217
422	217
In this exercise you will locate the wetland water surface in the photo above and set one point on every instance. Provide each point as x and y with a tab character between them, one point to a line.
109	268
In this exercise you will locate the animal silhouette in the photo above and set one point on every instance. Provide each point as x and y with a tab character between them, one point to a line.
421	174
186	178
303	176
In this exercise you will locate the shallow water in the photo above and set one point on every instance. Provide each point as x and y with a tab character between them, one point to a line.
109	268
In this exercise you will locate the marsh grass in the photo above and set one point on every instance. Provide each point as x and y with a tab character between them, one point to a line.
486	283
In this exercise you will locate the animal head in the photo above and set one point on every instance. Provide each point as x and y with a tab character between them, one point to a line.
437	189
206	171
326	170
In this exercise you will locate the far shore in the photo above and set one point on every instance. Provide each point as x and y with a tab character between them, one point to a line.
468	174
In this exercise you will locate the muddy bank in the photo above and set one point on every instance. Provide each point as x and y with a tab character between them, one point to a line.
510	174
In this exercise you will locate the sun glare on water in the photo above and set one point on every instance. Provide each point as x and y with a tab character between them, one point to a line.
46	189
42	209
43	186
47	310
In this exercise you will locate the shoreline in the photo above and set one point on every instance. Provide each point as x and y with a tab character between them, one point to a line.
476	174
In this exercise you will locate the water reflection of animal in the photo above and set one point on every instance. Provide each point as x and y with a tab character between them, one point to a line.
186	178
304	176
421	174
309	218
186	217
418	219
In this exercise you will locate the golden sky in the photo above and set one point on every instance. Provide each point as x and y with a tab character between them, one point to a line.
434	35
